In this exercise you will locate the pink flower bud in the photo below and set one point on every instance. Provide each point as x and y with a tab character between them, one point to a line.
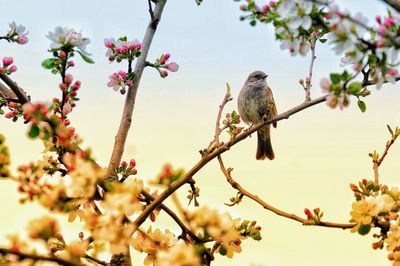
325	84
265	9
389	22
132	163
77	85
12	104
2	70
243	7
63	86
9	115
316	210
22	39
163	61
71	63
392	72
68	79
13	68
165	74
108	43
173	67
167	56
124	164
272	3
62	55
307	212
122	73
378	19
308	80
380	43
7	61
129	83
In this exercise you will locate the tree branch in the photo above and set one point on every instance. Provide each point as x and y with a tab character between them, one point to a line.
15	88
126	119
393	3
36	257
223	148
237	186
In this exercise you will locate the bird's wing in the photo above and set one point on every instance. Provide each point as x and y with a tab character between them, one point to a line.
274	111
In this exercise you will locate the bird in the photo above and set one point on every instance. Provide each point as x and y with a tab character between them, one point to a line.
255	101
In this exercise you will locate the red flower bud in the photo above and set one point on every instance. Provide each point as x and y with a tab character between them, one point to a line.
307	212
124	164
132	163
62	55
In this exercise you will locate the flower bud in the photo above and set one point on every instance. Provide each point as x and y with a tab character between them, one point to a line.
307	212
132	163
62	55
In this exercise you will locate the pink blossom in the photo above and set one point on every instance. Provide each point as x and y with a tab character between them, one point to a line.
331	101
7	61
116	82
173	67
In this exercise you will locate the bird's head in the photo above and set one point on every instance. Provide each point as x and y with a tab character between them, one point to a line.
257	76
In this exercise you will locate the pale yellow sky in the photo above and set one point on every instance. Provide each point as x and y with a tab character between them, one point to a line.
318	151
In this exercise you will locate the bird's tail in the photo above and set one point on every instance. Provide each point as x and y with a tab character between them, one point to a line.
264	146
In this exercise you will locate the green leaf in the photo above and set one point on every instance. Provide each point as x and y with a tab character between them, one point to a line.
253	23
34	131
336	78
323	40
362	106
390	130
49	63
364	229
354	88
86	58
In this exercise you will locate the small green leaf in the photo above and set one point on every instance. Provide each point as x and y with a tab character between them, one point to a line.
336	78
390	130
34	131
362	106
354	88
86	58
364	229
253	23
323	40
49	63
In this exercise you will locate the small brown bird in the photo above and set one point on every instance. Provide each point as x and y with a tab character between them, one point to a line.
254	102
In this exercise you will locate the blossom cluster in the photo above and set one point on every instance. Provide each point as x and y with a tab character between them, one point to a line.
17	34
162	63
8	67
121	49
168	175
120	81
4	158
377	206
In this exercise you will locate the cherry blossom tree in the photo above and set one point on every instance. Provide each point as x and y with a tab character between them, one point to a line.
113	202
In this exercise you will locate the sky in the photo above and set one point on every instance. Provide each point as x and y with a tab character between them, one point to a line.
318	151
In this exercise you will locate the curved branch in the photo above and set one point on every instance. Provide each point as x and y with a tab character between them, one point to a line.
207	157
36	257
15	88
237	186
126	119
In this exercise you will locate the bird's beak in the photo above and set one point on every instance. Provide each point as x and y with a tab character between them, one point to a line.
265	76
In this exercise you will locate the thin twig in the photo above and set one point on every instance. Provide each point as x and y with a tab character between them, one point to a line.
15	88
218	130
95	260
184	228
36	257
237	186
310	73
